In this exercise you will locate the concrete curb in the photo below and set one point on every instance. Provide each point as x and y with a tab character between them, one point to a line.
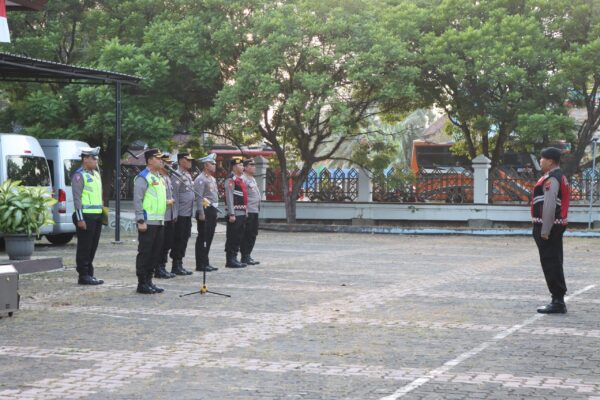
394	230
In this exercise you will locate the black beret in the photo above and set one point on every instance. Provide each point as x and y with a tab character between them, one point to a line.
248	161
551	153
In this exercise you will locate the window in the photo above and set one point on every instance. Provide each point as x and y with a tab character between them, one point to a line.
30	170
70	167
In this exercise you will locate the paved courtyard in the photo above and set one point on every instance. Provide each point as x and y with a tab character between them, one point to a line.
325	316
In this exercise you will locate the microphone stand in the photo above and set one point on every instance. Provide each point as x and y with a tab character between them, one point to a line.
179	177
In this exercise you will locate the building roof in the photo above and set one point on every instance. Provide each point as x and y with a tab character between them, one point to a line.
18	68
25	5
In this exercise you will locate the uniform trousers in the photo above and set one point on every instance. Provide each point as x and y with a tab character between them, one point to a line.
183	231
250	233
235	233
206	233
87	243
169	233
149	248
551	258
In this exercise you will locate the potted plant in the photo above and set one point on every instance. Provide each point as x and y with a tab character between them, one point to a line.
23	211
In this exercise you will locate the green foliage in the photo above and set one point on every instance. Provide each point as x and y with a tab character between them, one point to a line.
24	210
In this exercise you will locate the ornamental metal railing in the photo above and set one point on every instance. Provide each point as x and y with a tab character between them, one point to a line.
336	185
429	185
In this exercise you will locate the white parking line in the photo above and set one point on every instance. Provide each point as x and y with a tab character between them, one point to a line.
473	352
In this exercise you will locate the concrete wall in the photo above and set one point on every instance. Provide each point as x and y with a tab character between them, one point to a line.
475	214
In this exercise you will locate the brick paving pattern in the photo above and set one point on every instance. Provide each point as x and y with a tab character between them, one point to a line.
324	316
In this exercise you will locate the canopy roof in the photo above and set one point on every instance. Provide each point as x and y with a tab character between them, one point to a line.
26	69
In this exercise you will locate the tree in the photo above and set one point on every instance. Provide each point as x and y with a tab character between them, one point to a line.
487	64
314	72
574	26
183	49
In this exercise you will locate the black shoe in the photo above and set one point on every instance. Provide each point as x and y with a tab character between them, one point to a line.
555	307
98	281
207	268
144	288
88	280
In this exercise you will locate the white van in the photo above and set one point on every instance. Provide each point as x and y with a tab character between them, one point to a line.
64	158
22	158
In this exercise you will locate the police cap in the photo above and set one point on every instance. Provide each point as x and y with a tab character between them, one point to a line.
156	153
90	151
185	155
236	161
211	158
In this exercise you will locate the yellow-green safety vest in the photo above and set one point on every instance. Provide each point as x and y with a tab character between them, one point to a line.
91	196
155	198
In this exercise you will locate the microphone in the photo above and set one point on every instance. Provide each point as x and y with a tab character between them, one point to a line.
173	171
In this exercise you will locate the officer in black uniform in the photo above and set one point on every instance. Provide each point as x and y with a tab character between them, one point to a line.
236	198
86	186
549	211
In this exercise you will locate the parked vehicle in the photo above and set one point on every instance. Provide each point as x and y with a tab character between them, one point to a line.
63	160
22	159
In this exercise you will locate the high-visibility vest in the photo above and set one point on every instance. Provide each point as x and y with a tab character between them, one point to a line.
91	196
155	198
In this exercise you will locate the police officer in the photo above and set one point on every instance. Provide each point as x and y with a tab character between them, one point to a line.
251	225
160	271
207	201
237	201
87	199
150	204
549	210
184	197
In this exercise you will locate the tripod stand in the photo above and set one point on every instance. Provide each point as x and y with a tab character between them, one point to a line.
204	288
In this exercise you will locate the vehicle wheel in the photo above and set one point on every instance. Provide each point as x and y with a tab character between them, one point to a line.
60	239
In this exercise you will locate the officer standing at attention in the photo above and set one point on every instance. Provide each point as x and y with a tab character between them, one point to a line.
87	199
150	204
237	201
251	225
160	271
184	197
549	211
206	213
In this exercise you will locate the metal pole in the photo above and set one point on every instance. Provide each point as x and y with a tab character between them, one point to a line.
118	163
594	142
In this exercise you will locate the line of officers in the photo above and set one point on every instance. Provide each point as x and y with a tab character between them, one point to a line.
164	201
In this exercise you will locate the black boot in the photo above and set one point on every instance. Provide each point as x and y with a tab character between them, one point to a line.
248	260
557	306
152	285
89	280
185	271
164	269
161	273
178	268
232	262
143	286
